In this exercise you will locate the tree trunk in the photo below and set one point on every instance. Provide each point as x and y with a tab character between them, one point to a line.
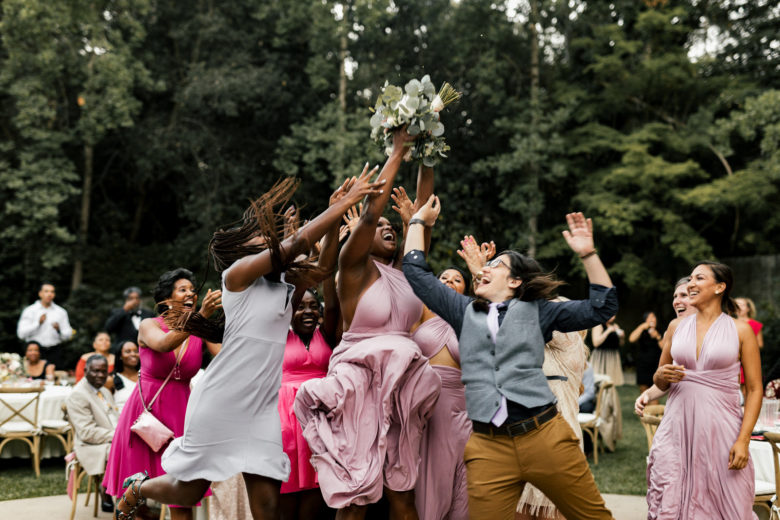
533	170
81	240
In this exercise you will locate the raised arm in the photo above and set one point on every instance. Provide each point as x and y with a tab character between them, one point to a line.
357	248
579	236
246	270
327	262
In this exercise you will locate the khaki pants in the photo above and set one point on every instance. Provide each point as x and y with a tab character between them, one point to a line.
498	466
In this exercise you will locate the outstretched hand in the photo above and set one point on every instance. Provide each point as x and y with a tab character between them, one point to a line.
579	236
354	189
290	220
403	205
476	256
429	212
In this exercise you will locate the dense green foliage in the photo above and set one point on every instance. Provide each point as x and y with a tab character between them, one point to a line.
172	115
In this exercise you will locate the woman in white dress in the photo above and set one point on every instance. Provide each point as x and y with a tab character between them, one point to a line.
125	375
232	423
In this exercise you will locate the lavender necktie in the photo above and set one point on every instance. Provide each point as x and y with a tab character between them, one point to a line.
492	323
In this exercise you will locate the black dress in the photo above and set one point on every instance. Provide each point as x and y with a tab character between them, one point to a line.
647	359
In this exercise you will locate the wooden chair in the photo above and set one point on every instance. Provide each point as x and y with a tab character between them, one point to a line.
650	421
60	429
80	474
767	498
590	422
23	428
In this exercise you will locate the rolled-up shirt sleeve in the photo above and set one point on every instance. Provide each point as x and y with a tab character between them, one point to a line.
441	299
569	316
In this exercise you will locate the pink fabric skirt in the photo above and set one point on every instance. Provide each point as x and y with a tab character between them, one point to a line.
441	486
365	420
302	473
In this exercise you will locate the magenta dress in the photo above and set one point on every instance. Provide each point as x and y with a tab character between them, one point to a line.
441	492
129	453
687	471
365	420
300	364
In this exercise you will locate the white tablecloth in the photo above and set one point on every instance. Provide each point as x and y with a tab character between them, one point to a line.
50	407
761	453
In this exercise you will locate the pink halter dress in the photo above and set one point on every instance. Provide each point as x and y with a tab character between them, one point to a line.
365	420
300	364
687	472
441	486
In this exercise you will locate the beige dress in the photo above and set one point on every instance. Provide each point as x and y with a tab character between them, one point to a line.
564	356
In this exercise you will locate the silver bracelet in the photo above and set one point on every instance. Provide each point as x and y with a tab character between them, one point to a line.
417	221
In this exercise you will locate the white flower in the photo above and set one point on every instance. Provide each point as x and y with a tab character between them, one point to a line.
437	105
391	122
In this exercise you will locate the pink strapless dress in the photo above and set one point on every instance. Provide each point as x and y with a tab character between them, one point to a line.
299	365
365	420
687	472
441	491
129	453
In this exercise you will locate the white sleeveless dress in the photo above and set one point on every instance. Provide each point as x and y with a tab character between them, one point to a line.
232	423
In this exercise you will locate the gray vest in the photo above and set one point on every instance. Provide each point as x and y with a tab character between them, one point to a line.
511	367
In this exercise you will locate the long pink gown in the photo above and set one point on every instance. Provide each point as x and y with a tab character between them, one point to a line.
441	492
365	420
129	453
687	472
300	364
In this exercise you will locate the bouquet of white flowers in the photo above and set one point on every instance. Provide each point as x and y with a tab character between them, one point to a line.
418	106
11	367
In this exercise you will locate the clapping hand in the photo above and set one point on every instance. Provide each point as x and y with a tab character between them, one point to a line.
579	236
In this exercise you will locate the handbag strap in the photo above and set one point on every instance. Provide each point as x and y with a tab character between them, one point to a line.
178	360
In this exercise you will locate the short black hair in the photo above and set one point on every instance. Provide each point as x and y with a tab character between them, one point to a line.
40	287
32	342
130	290
94	358
164	287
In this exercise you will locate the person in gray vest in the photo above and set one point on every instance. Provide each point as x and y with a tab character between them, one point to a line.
519	436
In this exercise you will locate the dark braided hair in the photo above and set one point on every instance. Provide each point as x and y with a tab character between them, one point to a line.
262	218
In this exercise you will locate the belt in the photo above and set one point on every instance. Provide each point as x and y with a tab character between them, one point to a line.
516	428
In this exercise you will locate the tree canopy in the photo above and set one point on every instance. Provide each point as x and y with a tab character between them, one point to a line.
132	129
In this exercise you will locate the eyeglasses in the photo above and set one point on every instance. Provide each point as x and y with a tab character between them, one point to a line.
496	262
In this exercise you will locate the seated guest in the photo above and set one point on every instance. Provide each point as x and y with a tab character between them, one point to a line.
34	366
93	415
587	399
125	376
100	345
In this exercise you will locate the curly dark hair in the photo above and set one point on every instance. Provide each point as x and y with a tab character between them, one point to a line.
164	287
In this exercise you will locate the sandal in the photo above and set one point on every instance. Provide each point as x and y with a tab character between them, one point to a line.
133	485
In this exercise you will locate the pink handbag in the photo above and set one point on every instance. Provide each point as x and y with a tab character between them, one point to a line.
147	426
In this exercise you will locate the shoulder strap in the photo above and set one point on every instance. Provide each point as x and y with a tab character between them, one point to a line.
178	359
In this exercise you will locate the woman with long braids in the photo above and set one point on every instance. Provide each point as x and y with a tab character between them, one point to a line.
232	423
364	421
162	352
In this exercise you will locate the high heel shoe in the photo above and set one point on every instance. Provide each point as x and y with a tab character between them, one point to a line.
133	485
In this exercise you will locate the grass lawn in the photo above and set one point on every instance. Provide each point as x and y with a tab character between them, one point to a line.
621	472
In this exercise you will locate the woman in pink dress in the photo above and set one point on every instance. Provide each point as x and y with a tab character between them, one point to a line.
306	357
158	351
364	421
441	485
699	466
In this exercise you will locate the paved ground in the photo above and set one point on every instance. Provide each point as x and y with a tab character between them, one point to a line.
623	507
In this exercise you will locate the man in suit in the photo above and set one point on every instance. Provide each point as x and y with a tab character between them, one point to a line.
94	417
124	322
